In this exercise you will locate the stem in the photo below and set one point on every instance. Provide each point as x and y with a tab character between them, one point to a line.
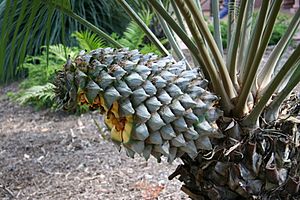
239	110
269	24
216	20
170	37
272	111
267	71
233	47
255	40
145	28
179	31
202	26
245	35
178	15
289	65
264	41
230	20
198	3
208	63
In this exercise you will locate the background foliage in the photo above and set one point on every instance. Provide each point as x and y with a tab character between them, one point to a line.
106	15
37	89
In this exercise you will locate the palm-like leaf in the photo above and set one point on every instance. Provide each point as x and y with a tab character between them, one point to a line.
50	22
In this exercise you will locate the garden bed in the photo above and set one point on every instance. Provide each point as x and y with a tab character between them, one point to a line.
46	155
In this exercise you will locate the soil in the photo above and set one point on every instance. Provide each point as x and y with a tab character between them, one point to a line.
48	155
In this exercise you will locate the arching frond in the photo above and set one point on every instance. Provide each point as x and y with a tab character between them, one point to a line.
25	25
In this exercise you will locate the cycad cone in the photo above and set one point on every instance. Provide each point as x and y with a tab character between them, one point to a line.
152	106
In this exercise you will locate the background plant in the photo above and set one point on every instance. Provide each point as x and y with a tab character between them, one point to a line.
88	41
37	89
281	24
106	15
135	38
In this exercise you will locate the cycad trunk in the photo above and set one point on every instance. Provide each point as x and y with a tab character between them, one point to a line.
156	107
263	164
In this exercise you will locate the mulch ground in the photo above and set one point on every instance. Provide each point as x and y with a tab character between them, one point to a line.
47	155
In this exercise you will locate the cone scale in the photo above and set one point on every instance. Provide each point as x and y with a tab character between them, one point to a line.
151	105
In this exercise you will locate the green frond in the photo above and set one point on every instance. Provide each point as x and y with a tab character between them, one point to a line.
38	73
144	27
57	52
133	36
88	40
40	94
149	48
